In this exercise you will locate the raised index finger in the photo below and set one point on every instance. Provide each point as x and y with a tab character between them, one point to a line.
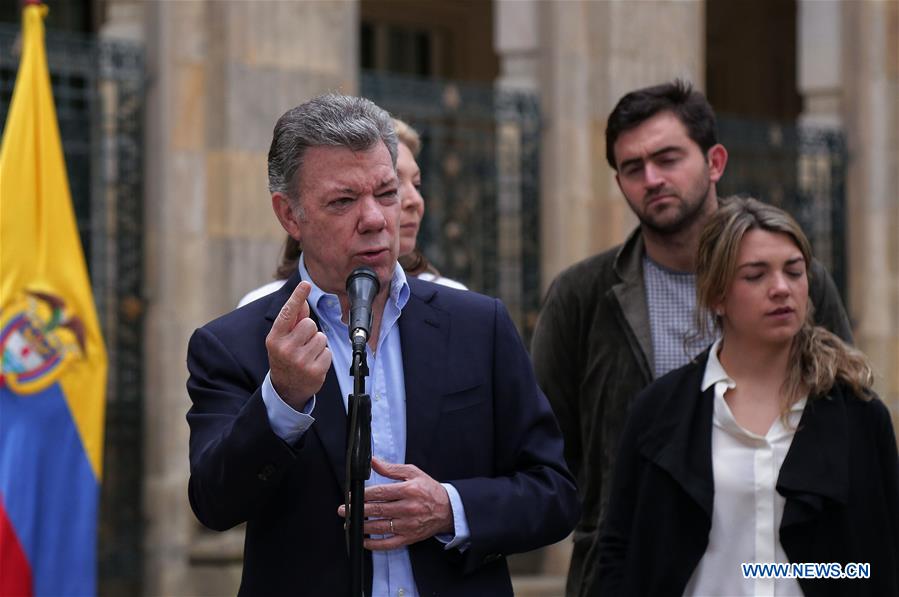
295	309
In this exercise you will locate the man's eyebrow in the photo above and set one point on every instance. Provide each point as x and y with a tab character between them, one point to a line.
657	153
341	190
387	181
349	190
667	149
630	162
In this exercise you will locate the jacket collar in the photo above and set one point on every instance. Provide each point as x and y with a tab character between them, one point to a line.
631	296
814	472
424	334
679	437
816	468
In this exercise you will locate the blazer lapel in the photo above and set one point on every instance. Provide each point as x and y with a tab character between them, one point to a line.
424	335
330	415
680	438
630	294
330	424
816	467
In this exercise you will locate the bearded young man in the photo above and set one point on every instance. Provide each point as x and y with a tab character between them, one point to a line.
616	321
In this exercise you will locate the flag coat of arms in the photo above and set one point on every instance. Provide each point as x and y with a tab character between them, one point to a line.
53	367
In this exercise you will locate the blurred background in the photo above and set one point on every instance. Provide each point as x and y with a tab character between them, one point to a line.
166	110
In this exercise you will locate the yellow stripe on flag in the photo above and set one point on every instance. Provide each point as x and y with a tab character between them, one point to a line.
43	270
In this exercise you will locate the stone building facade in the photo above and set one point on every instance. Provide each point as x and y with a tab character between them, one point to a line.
220	73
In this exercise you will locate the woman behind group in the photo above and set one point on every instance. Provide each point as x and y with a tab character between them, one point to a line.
412	260
769	447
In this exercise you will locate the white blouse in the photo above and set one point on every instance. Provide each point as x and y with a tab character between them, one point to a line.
747	509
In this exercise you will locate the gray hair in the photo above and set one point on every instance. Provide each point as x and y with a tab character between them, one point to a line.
331	120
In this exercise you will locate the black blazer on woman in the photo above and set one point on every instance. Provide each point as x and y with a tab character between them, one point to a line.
840	479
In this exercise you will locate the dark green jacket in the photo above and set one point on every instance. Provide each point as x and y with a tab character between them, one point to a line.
592	352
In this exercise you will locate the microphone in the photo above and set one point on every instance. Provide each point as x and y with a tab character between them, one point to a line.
362	286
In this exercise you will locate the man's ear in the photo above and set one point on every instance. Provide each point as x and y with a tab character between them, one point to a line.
286	214
717	158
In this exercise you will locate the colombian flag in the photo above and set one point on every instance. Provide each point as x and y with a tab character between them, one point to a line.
53	367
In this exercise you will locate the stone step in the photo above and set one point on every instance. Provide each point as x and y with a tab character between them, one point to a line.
538	585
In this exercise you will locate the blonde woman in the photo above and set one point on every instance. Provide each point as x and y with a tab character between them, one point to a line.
769	448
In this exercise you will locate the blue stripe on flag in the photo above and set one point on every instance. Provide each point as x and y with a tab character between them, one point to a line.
49	491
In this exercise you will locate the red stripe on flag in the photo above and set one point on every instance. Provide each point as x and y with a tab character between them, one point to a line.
15	573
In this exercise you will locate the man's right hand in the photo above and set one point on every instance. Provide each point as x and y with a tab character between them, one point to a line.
298	353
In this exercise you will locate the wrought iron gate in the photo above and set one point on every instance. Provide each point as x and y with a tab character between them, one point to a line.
98	88
799	168
480	179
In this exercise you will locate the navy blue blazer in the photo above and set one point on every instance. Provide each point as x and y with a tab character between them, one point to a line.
475	418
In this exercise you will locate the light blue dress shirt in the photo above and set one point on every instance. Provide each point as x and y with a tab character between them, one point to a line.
392	569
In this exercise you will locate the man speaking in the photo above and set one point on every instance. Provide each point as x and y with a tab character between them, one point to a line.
467	457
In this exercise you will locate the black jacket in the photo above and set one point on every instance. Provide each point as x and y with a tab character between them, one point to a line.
840	479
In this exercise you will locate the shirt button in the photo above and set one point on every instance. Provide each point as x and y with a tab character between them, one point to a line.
266	472
400	593
377	397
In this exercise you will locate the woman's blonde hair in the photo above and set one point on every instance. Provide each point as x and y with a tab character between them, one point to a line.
415	263
818	358
408	136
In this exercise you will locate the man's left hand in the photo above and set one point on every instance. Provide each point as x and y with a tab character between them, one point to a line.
407	512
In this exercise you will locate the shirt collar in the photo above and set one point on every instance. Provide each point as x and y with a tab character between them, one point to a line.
714	370
328	304
649	261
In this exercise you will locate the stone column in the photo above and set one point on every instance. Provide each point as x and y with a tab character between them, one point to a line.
516	45
591	53
220	74
819	70
174	219
871	114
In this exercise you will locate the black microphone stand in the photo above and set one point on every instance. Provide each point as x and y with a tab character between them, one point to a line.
358	463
